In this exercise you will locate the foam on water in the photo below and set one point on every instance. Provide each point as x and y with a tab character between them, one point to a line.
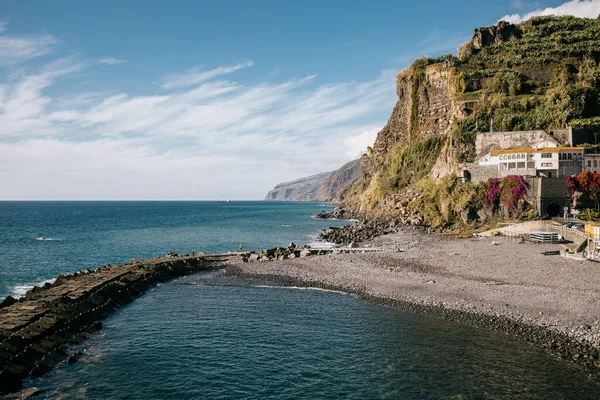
302	288
46	239
20	290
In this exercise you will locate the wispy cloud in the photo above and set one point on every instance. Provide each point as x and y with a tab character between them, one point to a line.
221	132
111	61
357	144
15	49
196	76
577	8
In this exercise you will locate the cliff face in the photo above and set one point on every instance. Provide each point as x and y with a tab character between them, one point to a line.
321	187
339	180
303	189
426	108
539	75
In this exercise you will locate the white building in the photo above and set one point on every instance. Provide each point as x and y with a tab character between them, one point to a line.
591	162
547	161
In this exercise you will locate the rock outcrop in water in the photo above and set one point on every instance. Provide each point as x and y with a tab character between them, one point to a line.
321	187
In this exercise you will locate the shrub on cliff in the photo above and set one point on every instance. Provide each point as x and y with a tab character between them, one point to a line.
404	165
588	214
441	203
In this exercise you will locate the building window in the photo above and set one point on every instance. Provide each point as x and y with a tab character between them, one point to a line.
595	163
570	156
546	164
546	155
589	163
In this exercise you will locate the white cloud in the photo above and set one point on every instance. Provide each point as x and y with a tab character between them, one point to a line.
196	76
208	136
111	61
357	145
24	108
577	8
17	49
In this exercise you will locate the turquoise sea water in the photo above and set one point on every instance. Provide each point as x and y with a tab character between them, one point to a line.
39	240
212	337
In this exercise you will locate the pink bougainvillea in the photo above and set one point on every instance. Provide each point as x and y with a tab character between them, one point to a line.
509	190
493	191
514	188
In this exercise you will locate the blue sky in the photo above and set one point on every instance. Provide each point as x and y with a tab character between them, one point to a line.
209	100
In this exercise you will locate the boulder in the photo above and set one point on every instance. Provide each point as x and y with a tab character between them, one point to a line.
8	301
305	253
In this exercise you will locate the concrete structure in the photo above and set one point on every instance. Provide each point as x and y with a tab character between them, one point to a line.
549	194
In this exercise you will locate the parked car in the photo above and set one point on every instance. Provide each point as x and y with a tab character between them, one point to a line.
579	227
568	224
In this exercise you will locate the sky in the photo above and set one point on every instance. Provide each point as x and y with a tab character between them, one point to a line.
200	100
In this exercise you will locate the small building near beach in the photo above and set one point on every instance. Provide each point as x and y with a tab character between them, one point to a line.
549	162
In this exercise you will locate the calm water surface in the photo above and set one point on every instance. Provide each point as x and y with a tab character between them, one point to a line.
200	339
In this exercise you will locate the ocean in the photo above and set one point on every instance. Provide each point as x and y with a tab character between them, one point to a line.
208	336
40	240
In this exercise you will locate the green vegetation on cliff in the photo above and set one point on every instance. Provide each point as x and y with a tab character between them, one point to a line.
403	166
543	77
539	75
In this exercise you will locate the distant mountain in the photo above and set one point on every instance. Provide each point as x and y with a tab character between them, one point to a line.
320	187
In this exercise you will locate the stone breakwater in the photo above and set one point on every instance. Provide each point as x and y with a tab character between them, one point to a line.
35	331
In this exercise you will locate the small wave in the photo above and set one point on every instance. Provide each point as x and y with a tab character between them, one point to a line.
20	290
317	244
286	226
47	239
301	288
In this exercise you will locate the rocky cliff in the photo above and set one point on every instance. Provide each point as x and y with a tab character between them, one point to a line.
320	187
539	75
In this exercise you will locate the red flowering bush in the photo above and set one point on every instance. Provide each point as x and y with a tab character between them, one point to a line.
588	182
514	188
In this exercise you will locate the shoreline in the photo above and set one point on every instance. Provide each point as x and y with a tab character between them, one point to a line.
548	302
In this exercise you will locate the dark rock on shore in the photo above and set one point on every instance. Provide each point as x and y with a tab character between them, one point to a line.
358	232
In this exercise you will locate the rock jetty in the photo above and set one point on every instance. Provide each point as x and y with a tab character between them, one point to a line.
35	331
